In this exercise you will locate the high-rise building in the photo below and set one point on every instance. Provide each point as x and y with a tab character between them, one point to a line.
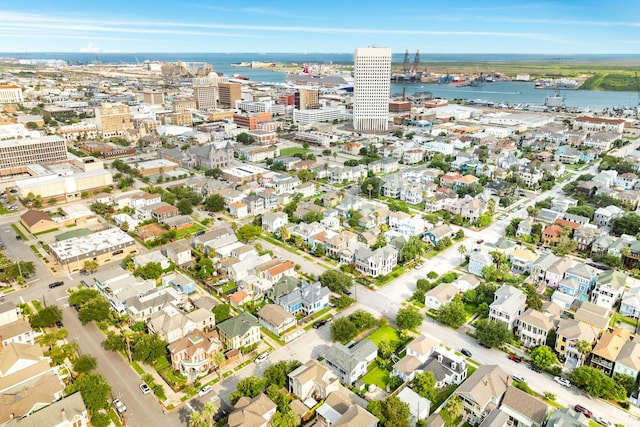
154	97
229	93
371	90
307	99
205	91
113	119
26	151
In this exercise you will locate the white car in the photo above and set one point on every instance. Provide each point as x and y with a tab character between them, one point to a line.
565	382
517	377
119	405
604	422
264	356
204	390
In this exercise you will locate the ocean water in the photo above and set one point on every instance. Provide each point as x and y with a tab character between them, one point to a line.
497	92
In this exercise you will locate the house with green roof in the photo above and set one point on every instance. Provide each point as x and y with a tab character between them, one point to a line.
239	331
609	288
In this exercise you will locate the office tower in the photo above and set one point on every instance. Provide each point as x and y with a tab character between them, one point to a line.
113	119
154	97
229	93
371	91
307	99
205	91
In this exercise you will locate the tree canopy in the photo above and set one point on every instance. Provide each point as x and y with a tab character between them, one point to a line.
392	412
597	384
277	373
453	313
248	232
214	203
543	357
492	333
48	316
424	383
408	318
250	386
94	389
336	280
85	363
627	224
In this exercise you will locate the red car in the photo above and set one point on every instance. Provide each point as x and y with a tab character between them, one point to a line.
587	413
515	358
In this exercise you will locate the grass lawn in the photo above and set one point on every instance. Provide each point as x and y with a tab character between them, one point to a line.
190	230
4	210
385	333
377	376
18	232
286	152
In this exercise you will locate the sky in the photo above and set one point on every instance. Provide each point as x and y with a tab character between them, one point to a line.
321	26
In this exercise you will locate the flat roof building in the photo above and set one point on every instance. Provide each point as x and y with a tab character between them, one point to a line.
98	246
372	88
28	150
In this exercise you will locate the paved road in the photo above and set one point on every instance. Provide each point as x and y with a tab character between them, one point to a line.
310	267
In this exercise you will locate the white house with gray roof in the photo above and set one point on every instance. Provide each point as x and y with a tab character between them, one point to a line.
508	304
350	364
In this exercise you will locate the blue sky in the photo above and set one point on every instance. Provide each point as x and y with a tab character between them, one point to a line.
326	26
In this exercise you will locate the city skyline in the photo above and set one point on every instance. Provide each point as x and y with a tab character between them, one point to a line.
528	27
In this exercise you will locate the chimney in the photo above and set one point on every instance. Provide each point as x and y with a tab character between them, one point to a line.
63	414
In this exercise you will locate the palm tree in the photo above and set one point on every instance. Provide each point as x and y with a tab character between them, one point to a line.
453	409
209	410
196	419
584	348
90	266
462	249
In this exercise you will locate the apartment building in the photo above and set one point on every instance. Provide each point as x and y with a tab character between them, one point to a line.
372	83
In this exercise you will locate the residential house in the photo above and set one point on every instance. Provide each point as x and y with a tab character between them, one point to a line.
627	181
440	295
242	330
19	332
449	179
274	273
412	156
179	282
522	409
603	217
556	272
524	228
594	315
406	224
171	324
141	307
568	417
521	260
418	406
312	380
192	355
561	204
630	304
569	286
343	408
569	333
478	261
508	304
585	236
586	277
447	367
466	282
164	212
552	235
350	364
533	327
156	256
179	253
609	288
473	209
256	412
421	348
437	234
601	245
69	411
482	392
628	360
238	209
341	241
306	298
276	319
530	175
8	313
371	262
540	266
607	350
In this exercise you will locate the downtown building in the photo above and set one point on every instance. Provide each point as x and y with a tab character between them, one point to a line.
205	91
24	151
372	85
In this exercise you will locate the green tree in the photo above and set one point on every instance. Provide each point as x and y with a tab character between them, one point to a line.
90	266
627	381
411	250
20	269
214	203
184	207
454	409
582	210
627	224
46	317
343	330
85	363
453	313
148	348
209	411
100	419
336	281
196	419
493	333
245	138
95	309
248	232
371	187
362	320
597	384
114	342
392	412
424	383
250	387
213	173
462	250
277	373
543	357
408	318
94	389
149	271
221	312
81	296
386	349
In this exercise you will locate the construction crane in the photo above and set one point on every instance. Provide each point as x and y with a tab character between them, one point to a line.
405	65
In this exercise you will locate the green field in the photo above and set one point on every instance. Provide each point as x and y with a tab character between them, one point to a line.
385	333
287	152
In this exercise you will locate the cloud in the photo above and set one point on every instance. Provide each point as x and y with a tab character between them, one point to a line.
90	48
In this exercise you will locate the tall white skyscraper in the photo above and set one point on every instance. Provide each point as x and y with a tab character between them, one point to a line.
371	89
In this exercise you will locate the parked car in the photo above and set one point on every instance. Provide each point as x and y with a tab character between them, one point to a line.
418	266
587	413
204	390
517	377
319	324
480	241
120	407
56	284
144	388
534	368
603	422
565	382
483	344
264	356
515	358
59	324
465	352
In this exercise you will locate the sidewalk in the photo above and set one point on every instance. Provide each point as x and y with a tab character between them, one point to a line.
173	398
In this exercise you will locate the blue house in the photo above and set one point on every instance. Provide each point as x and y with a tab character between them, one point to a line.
308	298
586	276
179	282
436	234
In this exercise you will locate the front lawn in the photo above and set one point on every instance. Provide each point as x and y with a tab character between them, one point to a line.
377	376
288	152
385	333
